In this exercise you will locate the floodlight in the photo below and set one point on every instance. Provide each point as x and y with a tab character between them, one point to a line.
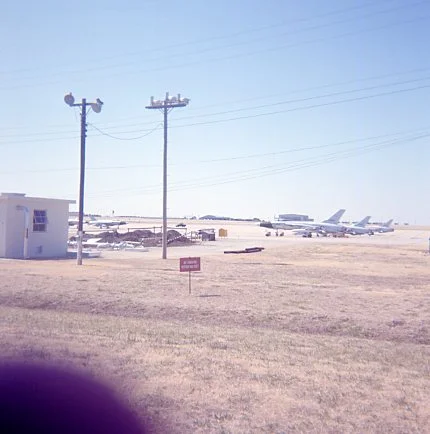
69	99
97	108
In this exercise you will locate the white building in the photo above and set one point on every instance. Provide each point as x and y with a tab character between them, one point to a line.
33	227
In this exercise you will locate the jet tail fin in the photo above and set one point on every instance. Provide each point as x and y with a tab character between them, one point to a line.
363	222
335	217
388	224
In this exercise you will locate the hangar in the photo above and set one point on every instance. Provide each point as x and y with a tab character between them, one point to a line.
295	217
33	227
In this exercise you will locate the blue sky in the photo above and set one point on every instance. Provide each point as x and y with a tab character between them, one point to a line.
296	106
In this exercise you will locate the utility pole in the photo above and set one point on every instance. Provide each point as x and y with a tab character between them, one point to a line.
82	180
96	107
164	234
166	106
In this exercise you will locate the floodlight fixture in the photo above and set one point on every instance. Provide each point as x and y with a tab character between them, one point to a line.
69	99
97	108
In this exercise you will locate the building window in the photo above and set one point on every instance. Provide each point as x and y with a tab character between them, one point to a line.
40	220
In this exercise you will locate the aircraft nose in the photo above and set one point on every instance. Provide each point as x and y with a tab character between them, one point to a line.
266	225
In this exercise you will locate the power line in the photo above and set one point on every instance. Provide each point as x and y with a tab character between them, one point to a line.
306	148
279	171
61	138
128	138
346	92
293	32
233	158
291	102
221	37
211	122
326	104
267	50
232	57
286	101
306	162
336	84
251	116
290	168
262	97
287	33
323	86
269	170
302	165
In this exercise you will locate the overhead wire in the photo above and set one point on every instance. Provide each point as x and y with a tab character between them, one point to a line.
285	102
312	88
267	170
237	55
232	158
106	126
277	168
250	116
221	37
303	165
306	148
291	168
326	104
247	108
344	92
125	138
295	31
290	32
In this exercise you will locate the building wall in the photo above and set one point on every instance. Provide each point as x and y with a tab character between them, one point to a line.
14	231
2	228
49	244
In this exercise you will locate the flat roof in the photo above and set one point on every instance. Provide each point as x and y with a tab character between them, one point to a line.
23	197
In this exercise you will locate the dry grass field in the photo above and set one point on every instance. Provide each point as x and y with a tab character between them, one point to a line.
318	335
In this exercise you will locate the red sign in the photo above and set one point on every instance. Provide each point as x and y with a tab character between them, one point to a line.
189	264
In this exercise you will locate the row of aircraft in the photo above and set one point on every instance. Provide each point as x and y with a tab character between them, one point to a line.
99	223
330	226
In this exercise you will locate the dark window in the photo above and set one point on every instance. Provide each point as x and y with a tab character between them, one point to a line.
40	220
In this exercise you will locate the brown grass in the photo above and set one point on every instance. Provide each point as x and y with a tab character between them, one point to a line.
321	336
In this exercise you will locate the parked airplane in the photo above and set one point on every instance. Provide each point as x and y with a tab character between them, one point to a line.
331	225
73	222
106	223
360	228
386	227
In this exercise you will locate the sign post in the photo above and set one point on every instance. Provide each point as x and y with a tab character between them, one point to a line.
189	264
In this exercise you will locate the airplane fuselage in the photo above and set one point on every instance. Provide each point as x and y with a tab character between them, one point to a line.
107	223
383	230
357	230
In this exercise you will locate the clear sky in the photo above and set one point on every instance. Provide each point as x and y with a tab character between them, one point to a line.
303	106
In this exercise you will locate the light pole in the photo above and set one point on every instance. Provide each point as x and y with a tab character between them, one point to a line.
166	105
96	107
